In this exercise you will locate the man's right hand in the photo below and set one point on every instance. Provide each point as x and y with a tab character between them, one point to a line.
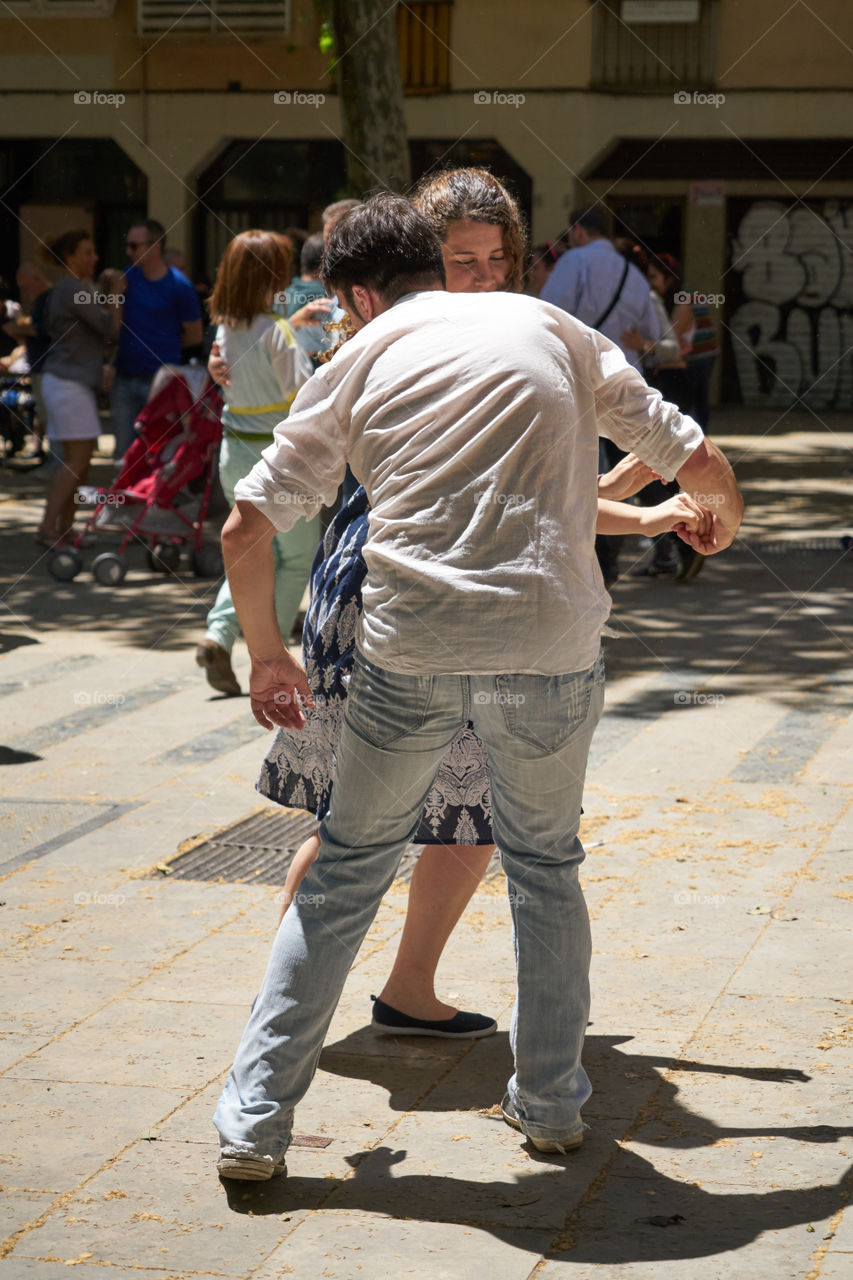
707	476
278	689
217	368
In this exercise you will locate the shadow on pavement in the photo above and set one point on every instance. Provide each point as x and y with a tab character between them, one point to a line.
605	1204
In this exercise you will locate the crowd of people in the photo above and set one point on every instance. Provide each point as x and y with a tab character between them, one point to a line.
149	314
482	450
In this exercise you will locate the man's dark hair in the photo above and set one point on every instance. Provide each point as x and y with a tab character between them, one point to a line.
155	231
595	220
386	245
311	257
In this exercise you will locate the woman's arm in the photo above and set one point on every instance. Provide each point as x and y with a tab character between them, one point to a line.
628	477
679	512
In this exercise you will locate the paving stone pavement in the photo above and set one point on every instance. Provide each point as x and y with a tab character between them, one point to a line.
718	874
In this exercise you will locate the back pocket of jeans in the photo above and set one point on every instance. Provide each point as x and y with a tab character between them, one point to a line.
384	707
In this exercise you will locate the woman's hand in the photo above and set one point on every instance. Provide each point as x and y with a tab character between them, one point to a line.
628	477
278	689
682	515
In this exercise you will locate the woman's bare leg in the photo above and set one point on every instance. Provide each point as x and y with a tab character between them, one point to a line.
302	859
443	881
59	505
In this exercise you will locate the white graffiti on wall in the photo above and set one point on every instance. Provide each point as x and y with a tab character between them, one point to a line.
793	336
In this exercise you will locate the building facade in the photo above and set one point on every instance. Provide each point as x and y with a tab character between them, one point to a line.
713	128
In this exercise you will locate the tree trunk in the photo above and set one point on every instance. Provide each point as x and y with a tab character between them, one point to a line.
371	92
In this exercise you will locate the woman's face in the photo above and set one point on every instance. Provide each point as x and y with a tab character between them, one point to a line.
474	257
83	260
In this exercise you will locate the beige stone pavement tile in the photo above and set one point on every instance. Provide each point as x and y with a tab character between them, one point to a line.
143	1042
348	1244
48	996
15	1048
17	1208
20	1268
161	1206
755	1163
56	1134
647	992
836	1266
797	959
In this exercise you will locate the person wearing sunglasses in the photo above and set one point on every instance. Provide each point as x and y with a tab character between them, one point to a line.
160	316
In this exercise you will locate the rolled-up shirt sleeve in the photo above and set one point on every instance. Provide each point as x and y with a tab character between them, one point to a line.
635	416
300	472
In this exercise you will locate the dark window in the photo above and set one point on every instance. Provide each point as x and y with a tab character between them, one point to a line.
423	41
652	56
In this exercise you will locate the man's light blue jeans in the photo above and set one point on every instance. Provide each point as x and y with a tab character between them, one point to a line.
537	731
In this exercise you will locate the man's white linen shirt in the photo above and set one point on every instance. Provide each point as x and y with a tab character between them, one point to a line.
473	424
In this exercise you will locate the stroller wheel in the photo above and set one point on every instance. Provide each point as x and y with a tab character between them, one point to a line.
207	561
109	569
65	564
164	558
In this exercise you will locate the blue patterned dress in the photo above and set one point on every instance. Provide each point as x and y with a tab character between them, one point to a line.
299	768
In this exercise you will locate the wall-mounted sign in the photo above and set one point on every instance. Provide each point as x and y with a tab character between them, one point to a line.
643	12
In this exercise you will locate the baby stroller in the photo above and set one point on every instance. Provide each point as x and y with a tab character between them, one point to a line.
161	495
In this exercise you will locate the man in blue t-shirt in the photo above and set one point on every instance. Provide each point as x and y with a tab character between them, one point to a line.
161	315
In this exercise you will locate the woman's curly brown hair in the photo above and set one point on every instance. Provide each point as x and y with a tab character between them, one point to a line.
477	196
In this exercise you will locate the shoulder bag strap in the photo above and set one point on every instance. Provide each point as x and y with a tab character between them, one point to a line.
617	295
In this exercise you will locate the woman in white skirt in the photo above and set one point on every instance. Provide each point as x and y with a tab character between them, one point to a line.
80	331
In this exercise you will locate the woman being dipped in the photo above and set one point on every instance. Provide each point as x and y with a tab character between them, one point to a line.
483	239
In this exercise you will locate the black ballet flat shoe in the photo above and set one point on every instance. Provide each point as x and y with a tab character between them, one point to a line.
462	1026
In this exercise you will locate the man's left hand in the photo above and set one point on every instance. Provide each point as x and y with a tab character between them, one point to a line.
278	689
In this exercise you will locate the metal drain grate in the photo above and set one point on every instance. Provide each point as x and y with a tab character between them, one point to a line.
258	849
